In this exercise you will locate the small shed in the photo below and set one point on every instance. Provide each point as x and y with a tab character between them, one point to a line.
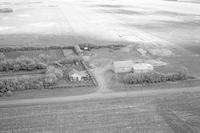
122	66
142	67
75	75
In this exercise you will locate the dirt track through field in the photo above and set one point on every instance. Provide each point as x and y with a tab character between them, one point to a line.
98	96
99	75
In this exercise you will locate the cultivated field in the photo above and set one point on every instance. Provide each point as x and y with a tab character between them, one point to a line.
172	113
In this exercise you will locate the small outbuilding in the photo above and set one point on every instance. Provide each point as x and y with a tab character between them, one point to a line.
142	67
75	75
122	66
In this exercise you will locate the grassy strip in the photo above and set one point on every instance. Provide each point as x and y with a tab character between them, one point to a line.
82	46
90	73
11	73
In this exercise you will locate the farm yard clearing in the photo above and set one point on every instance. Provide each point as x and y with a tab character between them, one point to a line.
100	57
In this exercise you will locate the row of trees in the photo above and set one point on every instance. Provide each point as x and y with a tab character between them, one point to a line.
11	49
154	77
7	86
22	63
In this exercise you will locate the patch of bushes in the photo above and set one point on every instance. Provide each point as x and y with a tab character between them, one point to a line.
2	57
56	71
20	64
50	79
44	58
7	86
155	77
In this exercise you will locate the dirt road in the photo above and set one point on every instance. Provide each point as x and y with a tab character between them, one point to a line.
99	73
99	95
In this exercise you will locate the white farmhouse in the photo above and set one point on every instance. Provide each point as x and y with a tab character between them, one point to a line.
75	75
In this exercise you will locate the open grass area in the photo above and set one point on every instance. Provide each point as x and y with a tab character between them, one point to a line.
37	40
47	40
54	54
192	63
